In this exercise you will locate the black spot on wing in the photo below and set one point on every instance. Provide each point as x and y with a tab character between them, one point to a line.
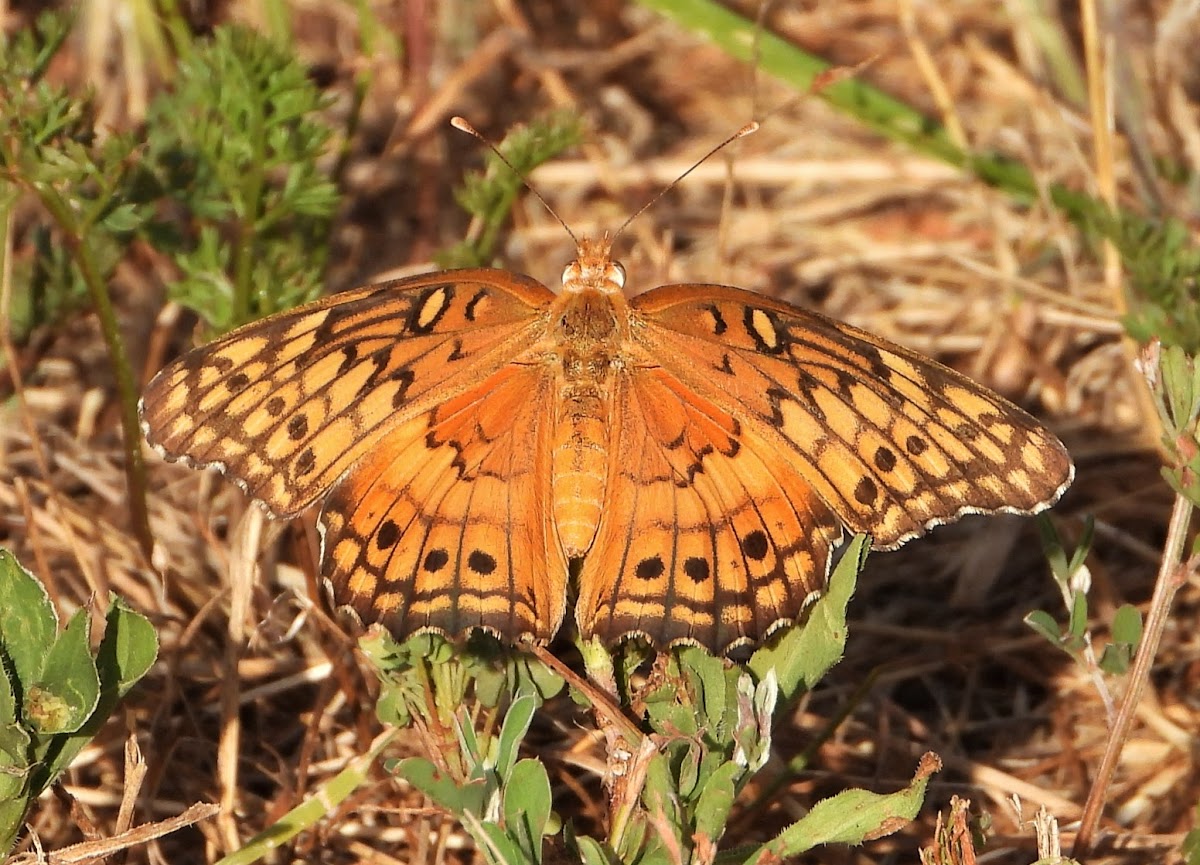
866	492
697	569
297	427
755	545
649	568
306	462
349	358
481	563
388	535
875	362
435	560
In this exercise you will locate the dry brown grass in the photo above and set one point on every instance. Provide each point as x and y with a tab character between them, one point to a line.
814	209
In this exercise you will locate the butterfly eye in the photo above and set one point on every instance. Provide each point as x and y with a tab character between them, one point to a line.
618	274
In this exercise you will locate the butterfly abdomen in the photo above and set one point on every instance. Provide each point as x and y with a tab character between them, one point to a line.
587	346
580	464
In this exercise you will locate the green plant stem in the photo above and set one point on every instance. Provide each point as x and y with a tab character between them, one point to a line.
127	391
1172	573
746	40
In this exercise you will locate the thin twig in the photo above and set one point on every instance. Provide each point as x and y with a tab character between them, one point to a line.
1172	574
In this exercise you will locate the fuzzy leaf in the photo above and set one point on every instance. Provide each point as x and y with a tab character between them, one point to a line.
458	799
851	817
27	622
527	806
805	653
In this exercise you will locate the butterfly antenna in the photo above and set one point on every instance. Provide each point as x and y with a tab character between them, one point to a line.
462	125
749	129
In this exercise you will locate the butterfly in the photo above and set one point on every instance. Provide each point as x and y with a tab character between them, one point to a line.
689	459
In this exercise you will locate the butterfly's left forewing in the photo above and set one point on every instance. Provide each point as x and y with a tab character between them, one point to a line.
284	406
892	442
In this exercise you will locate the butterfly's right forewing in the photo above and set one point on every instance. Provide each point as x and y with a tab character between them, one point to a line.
286	405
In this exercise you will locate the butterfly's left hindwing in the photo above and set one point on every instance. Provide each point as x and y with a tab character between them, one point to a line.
893	442
284	406
445	526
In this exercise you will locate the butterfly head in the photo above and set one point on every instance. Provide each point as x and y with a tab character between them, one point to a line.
593	268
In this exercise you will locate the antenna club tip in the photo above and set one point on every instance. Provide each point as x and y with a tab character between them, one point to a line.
461	124
749	129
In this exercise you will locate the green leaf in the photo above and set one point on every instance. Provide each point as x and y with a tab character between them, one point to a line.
1077	626
468	741
805	653
12	816
69	687
392	707
1115	659
1054	551
516	724
126	653
468	798
756	708
661	796
1127	625
1126	634
237	141
706	676
28	622
592	852
689	770
851	817
8	705
527	802
128	650
14	749
534	677
1085	542
125	218
1046	625
716	801
498	846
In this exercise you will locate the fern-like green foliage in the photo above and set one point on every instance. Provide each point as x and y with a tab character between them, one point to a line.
94	195
489	195
237	145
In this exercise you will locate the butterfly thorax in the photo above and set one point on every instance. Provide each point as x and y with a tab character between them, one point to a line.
590	332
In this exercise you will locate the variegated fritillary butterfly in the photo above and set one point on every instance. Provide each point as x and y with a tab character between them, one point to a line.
696	451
